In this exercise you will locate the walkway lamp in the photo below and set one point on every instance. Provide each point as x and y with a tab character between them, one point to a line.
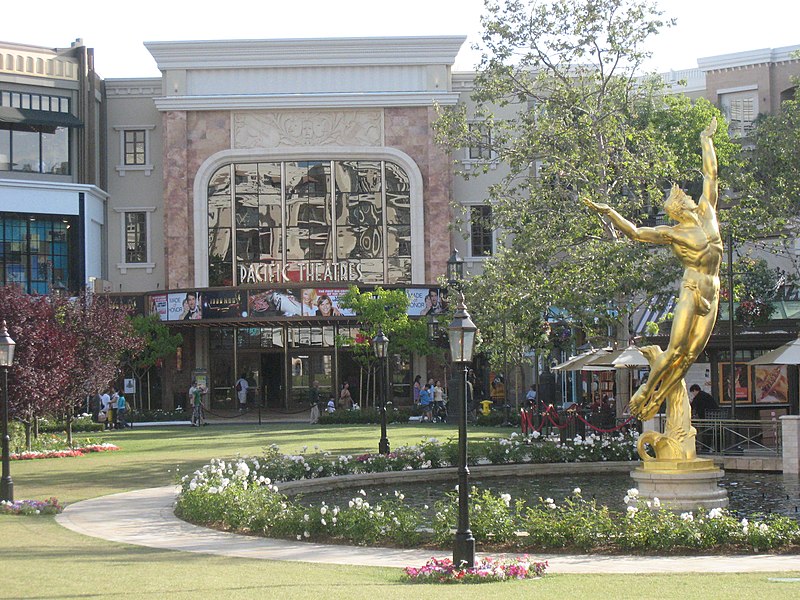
462	343
7	346
380	345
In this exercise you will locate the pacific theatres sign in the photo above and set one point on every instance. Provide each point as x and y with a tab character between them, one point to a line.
289	272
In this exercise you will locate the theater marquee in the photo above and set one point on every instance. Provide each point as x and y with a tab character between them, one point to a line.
322	271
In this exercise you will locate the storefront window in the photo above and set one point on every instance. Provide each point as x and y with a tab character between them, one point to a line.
292	219
34	253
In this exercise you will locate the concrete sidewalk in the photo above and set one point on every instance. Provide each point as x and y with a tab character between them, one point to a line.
145	518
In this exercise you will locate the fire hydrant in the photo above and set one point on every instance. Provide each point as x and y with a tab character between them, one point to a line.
486	407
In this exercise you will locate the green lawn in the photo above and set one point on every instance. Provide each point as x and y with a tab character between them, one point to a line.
41	560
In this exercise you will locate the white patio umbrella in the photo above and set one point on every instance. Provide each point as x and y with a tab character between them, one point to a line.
788	354
578	363
630	358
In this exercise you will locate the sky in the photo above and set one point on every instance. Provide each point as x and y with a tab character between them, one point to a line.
704	27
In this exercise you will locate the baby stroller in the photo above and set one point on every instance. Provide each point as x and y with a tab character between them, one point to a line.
439	412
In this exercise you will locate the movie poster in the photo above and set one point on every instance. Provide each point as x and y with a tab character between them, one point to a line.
274	303
222	304
184	306
328	303
425	301
159	306
742	383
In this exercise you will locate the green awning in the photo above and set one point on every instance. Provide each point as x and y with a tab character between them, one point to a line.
45	118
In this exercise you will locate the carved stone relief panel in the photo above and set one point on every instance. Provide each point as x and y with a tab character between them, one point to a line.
272	129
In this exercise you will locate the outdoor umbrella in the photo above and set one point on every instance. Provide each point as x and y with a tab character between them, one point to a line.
788	354
578	363
629	358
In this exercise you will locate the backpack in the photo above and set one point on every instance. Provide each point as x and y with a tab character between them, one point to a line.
238	386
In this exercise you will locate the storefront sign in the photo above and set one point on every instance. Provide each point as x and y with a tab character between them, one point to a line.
277	272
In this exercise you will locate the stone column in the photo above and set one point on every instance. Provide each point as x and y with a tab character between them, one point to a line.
790	431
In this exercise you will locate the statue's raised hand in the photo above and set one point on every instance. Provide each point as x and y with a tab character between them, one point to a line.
598	207
710	130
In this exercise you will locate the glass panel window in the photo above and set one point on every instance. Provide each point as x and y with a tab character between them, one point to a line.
135	151
280	214
135	237
5	150
481	235
35	253
25	146
55	151
481	137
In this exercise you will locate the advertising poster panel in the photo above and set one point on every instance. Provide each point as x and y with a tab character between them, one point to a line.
274	303
771	384
425	301
184	306
327	303
159	306
222	304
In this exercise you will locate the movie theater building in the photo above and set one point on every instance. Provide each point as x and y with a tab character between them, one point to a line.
256	180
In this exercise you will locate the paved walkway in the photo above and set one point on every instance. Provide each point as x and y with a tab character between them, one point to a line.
145	518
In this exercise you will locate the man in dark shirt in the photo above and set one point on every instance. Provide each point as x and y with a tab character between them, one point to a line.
702	402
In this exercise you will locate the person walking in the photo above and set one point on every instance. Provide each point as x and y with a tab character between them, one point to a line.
345	398
439	410
196	400
122	409
241	391
105	401
426	402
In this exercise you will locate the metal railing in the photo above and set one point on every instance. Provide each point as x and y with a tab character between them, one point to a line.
727	436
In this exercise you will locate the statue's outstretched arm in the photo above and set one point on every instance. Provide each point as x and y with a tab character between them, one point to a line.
710	186
653	235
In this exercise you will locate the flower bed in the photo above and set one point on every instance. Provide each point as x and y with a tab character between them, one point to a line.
31	507
241	495
485	570
78	451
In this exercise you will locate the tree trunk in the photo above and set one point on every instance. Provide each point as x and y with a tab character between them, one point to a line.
69	427
36	428
28	427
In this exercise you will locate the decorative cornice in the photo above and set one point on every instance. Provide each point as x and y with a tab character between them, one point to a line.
56	187
220	54
134	88
762	56
284	101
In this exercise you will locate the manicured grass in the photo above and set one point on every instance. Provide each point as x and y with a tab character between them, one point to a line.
39	559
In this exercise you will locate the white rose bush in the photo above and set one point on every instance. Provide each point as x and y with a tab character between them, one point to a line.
243	495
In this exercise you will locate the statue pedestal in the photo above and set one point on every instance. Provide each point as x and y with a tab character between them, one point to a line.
681	485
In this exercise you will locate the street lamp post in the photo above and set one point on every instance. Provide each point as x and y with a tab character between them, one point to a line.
462	342
380	345
7	346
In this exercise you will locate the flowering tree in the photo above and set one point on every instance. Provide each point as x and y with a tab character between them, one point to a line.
45	355
102	332
66	348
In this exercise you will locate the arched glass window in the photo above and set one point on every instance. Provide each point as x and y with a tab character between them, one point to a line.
315	220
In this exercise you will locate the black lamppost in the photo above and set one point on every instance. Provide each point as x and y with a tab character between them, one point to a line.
462	342
380	345
7	346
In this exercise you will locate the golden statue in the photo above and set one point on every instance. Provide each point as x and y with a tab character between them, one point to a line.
696	242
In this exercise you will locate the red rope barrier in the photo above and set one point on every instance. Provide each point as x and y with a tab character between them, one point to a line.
617	428
550	417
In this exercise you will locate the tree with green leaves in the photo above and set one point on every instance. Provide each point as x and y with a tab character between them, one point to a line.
386	310
767	203
585	122
157	342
